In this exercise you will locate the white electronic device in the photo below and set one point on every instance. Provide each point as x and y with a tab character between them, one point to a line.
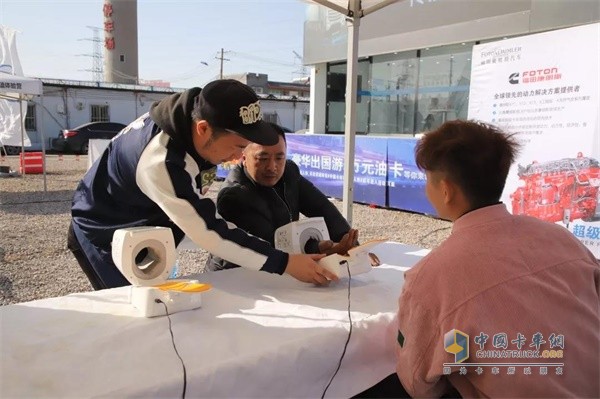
147	300
292	237
358	260
150	291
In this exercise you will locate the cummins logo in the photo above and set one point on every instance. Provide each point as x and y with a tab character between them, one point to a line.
513	79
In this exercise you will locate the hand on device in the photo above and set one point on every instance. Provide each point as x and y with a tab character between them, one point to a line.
305	268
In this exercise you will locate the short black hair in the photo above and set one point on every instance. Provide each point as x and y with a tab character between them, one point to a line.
217	131
279	130
474	155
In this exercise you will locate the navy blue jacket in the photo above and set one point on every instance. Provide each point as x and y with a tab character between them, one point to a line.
151	175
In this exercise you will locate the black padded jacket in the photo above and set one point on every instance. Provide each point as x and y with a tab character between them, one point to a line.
261	210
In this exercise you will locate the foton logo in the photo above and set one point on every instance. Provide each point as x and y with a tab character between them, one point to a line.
535	75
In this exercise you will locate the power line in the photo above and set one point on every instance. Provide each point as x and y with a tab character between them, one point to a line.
97	72
303	70
222	59
262	59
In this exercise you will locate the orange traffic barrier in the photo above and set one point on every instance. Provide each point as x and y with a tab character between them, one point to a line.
31	162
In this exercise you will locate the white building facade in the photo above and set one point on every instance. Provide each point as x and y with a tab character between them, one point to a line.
415	57
68	104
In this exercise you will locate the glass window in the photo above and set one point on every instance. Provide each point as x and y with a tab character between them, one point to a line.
270	117
99	113
393	92
30	121
336	95
306	121
496	39
404	93
443	85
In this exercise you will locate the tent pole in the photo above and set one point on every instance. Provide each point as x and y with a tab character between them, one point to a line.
43	142
353	13
350	123
22	160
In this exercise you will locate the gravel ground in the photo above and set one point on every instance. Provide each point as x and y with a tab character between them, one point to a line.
35	262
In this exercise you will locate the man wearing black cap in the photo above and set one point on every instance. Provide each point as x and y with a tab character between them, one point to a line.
155	173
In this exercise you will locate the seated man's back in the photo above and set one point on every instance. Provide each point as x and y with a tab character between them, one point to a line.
507	306
506	291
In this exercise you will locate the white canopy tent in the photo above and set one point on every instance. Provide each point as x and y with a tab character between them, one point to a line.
354	11
18	88
20	84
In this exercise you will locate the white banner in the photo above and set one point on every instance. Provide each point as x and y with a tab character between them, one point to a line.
545	88
12	110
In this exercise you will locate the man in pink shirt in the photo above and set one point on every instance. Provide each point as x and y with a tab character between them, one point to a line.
507	306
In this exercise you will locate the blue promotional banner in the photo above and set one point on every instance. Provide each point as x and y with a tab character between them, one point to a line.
321	160
224	168
370	170
385	172
406	183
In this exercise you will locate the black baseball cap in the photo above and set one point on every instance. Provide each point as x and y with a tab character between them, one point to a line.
233	106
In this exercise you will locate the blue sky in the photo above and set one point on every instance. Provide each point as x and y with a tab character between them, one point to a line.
174	37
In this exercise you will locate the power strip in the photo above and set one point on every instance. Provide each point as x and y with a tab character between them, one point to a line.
337	264
147	300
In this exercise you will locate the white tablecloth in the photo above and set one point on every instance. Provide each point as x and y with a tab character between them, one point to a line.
256	335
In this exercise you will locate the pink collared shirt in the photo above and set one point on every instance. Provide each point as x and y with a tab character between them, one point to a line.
500	279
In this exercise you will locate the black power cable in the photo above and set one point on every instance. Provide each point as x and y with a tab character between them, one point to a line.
36	202
349	331
175	347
